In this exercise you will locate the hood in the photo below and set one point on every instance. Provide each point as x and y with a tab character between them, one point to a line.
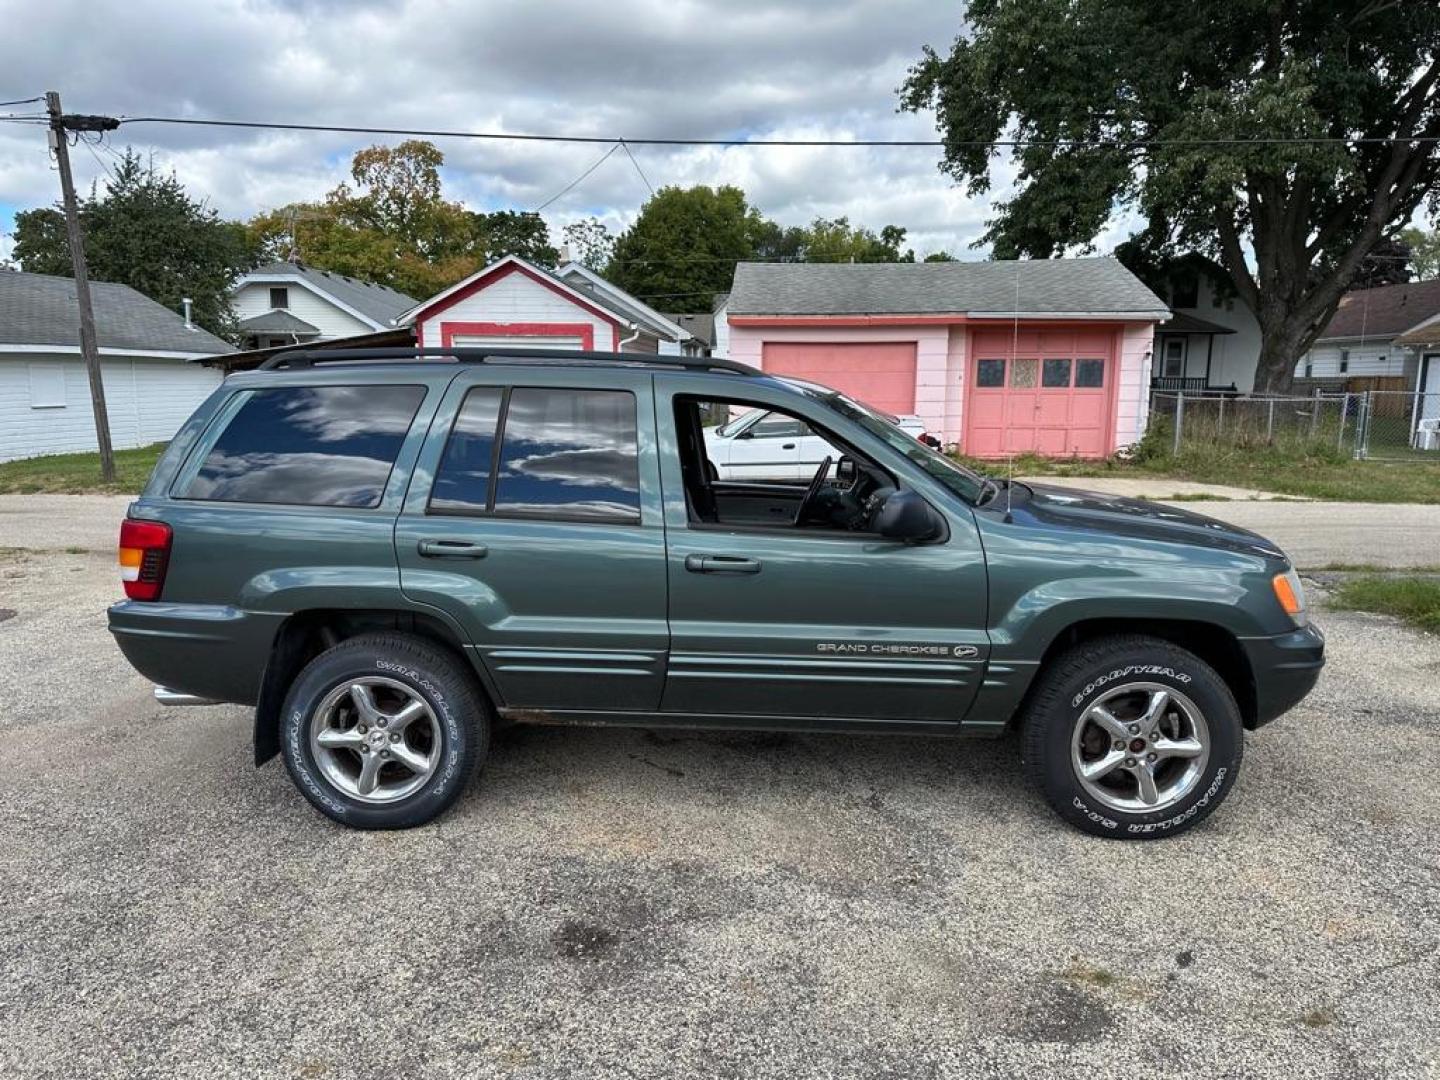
1134	519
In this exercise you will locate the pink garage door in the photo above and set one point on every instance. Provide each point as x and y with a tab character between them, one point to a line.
1040	391
881	375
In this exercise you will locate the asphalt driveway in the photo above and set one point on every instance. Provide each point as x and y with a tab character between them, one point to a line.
623	903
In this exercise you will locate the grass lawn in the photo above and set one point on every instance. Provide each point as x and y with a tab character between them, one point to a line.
78	474
1414	599
1318	474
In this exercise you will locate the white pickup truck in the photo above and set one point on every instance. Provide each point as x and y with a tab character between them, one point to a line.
770	446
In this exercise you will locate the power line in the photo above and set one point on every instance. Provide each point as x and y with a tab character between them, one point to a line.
639	170
600	161
22	101
1059	144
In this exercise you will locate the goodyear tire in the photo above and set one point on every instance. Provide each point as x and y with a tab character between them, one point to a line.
384	731
1132	737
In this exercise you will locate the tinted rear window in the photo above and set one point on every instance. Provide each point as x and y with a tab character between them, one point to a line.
309	446
462	483
569	454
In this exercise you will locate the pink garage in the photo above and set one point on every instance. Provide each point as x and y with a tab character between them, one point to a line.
1044	356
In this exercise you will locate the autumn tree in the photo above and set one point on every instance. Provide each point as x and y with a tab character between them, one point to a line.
1281	140
392	224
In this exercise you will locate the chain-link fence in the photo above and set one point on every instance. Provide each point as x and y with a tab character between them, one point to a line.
1399	425
1380	425
1181	421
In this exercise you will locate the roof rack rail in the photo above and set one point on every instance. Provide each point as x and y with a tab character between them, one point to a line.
305	358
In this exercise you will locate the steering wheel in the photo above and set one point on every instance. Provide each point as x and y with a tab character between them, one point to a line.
812	493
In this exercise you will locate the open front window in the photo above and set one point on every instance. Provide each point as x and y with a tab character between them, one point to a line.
767	468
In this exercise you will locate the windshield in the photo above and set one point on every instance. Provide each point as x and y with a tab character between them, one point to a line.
956	477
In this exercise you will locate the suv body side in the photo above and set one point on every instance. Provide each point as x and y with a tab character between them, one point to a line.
607	623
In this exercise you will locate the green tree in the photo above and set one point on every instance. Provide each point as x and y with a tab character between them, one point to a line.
683	247
144	230
1424	252
836	240
395	227
940	256
1120	102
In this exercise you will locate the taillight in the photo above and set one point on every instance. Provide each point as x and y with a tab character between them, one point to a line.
144	551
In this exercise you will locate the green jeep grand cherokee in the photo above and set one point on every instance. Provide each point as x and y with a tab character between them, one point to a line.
387	553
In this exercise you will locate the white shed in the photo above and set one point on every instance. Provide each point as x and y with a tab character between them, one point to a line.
147	354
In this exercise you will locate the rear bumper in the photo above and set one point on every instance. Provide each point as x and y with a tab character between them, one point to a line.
1286	668
207	651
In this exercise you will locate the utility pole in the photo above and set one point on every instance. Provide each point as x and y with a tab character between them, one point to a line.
89	348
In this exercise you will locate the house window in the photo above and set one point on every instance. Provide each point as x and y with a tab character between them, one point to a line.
1089	373
279	296
1055	373
1344	361
1024	374
47	385
990	373
1309	370
1185	290
1173	364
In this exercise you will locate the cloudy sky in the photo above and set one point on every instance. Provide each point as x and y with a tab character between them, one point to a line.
664	68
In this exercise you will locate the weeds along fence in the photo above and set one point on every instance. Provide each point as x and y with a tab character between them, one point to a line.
1379	425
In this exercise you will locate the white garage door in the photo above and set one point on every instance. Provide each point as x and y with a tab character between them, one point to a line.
518	341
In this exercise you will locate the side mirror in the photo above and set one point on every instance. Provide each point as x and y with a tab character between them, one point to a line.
910	519
845	470
748	433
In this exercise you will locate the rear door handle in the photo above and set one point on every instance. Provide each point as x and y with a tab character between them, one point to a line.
721	564
452	549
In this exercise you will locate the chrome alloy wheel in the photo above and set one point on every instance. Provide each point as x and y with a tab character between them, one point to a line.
375	739
1140	747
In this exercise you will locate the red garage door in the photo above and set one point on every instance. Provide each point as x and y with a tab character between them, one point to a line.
1047	392
881	375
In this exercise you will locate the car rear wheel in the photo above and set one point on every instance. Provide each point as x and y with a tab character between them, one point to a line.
1132	737
383	731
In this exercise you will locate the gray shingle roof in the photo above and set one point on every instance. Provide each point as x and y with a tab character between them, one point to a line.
277	322
701	325
37	309
1095	286
379	303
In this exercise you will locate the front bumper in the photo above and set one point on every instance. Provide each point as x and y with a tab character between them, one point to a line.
1285	668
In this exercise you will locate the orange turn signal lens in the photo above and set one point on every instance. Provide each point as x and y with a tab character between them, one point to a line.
1288	592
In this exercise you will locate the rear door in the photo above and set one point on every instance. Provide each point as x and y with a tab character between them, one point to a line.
534	522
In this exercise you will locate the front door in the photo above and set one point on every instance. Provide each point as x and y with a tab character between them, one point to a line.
533	522
814	625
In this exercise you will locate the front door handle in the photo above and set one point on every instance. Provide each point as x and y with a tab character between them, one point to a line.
452	549
788	446
721	564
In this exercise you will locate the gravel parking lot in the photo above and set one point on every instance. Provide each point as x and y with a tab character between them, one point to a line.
615	903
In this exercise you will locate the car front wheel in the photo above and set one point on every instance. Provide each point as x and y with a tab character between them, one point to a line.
1133	737
383	731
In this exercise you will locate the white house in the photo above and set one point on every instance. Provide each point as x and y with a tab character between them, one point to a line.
151	386
288	303
1374	341
1213	341
513	302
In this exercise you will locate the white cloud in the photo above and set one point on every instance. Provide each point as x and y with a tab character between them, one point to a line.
659	68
